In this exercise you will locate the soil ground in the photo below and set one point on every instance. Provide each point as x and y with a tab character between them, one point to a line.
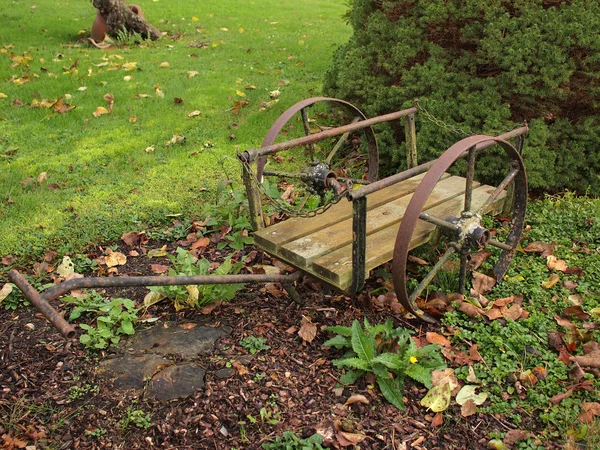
52	397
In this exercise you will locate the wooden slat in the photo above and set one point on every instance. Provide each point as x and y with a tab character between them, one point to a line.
336	267
272	238
303	251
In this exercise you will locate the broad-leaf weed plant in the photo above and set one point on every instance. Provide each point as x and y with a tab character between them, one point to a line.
114	318
185	264
387	352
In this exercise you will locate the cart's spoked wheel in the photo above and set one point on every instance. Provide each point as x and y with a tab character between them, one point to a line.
467	233
324	168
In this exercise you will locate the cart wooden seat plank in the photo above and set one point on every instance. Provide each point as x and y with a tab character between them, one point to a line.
271	239
322	245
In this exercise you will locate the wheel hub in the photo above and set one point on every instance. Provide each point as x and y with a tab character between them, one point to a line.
471	233
319	178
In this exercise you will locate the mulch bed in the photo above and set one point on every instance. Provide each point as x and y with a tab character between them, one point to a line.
51	397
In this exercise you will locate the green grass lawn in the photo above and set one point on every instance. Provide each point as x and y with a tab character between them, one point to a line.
101	181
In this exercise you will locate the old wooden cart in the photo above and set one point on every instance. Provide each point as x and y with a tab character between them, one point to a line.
339	241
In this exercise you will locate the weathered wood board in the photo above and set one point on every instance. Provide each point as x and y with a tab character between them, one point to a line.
322	245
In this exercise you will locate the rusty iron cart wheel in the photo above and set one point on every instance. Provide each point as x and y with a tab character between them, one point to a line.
325	168
465	234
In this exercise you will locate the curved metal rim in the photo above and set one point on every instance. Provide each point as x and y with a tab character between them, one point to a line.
285	117
421	195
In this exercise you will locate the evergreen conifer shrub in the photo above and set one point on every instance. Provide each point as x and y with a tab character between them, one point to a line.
485	66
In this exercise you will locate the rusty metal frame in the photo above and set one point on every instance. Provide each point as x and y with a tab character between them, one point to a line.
40	300
468	147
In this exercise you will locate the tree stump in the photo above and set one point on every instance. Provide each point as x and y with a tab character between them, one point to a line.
118	17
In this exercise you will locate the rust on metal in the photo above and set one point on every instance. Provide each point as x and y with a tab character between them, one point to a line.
153	280
269	147
65	328
436	169
422	168
40	300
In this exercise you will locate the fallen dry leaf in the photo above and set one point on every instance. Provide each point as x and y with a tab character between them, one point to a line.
468	393
115	258
591	410
418	261
527	377
66	267
357	398
438	398
152	298
308	330
540	247
569	284
241	369
194	113
175	139
468	408
575	299
472	378
100	110
589	360
188	325
238	105
349	439
565	323
42	177
500	302
210	308
470	310
438	339
554	278
513	312
164	65
159	268
445	376
478	258
5	291
514	436
131	238
556	264
482	284
158	252
60	107
7	260
438	420
200	243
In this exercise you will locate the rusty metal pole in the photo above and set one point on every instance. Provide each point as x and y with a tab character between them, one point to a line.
65	328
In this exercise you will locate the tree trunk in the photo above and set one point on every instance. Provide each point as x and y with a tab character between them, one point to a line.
119	17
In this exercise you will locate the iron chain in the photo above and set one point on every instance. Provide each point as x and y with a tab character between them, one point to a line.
282	206
440	123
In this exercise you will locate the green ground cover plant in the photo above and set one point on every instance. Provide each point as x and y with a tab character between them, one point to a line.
289	441
254	344
524	368
71	178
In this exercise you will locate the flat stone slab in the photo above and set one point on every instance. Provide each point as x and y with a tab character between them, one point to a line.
130	371
187	340
177	381
142	358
